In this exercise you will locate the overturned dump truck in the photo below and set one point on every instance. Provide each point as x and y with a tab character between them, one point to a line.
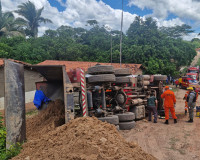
113	95
118	97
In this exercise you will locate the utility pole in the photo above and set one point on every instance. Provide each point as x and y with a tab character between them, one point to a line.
121	37
111	47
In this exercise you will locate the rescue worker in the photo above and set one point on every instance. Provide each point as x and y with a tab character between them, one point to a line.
169	104
152	107
186	105
191	100
197	94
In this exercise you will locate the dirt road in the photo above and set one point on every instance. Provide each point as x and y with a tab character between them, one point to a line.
196	58
29	107
169	142
194	61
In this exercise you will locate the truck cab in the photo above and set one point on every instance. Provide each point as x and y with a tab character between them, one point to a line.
194	70
192	75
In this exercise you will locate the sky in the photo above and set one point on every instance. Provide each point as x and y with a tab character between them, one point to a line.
75	13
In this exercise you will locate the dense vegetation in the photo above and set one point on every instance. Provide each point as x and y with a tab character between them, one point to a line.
160	50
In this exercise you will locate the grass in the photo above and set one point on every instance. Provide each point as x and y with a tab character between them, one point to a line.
13	150
33	112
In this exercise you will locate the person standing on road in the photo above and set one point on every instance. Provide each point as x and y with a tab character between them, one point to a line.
197	94
186	104
191	100
152	107
169	104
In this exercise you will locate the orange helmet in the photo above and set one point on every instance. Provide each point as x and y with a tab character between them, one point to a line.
166	87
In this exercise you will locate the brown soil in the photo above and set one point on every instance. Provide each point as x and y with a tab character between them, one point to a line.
47	120
81	139
169	142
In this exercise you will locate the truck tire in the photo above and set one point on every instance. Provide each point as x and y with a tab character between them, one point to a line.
160	77
126	117
122	72
102	78
146	83
146	77
101	69
121	98
126	125
112	119
123	80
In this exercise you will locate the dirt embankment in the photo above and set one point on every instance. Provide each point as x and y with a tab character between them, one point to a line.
47	120
81	139
196	58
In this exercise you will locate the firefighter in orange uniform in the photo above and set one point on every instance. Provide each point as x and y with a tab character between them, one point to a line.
169	104
185	98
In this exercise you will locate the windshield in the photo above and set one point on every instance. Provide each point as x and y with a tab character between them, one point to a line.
192	76
192	71
193	81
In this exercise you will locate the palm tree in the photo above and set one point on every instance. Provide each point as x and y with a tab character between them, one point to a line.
9	26
31	17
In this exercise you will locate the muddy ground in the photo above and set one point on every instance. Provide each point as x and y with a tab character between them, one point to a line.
169	142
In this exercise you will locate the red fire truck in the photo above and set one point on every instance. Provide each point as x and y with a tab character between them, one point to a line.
195	71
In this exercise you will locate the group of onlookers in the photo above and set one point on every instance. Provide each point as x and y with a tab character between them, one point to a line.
170	104
170	80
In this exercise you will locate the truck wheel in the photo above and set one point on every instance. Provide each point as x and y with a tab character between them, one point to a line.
126	125
123	80
125	117
160	77
121	98
99	69
146	77
122	72
112	119
102	78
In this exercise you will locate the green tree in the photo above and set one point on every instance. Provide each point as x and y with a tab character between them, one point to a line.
196	42
9	26
92	23
5	51
177	31
31	18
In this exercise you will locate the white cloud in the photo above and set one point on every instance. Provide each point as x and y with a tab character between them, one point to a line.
191	36
77	12
169	23
83	10
184	9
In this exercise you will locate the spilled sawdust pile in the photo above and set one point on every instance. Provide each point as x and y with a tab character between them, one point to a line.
84	138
